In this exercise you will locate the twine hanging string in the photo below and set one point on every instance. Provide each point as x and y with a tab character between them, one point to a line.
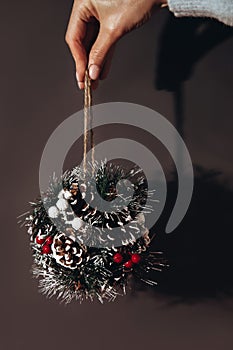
88	117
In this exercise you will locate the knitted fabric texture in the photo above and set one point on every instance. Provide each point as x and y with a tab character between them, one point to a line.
221	10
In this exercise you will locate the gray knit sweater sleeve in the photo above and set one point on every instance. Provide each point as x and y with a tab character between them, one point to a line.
219	9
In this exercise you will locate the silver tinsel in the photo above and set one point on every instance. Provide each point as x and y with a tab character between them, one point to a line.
74	248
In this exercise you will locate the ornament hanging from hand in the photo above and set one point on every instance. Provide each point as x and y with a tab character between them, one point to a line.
81	258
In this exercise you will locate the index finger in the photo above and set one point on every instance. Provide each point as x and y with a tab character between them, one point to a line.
74	37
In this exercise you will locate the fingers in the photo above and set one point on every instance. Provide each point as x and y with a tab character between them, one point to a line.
91	46
101	49
74	38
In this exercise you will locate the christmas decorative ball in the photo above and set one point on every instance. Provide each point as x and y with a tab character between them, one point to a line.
128	264
46	249
135	258
40	240
117	258
49	240
77	254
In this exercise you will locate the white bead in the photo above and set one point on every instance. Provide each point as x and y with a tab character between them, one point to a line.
60	194
53	212
141	218
67	194
77	223
83	187
62	204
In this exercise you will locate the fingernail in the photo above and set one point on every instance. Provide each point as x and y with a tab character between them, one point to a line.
77	77
94	71
80	85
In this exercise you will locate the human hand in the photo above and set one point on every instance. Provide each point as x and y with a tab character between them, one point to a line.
94	28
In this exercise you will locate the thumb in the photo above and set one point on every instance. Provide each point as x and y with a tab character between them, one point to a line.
99	51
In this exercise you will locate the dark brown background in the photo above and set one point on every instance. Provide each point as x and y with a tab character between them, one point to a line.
186	77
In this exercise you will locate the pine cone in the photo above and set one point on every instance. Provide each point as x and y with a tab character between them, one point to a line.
67	252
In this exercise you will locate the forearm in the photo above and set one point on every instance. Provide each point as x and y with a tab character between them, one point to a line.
219	9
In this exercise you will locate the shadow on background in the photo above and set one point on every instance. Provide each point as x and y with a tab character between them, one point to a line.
199	251
183	42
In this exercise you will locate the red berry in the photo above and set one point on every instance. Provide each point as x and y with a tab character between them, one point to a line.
40	240
49	240
117	258
46	249
135	258
128	264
